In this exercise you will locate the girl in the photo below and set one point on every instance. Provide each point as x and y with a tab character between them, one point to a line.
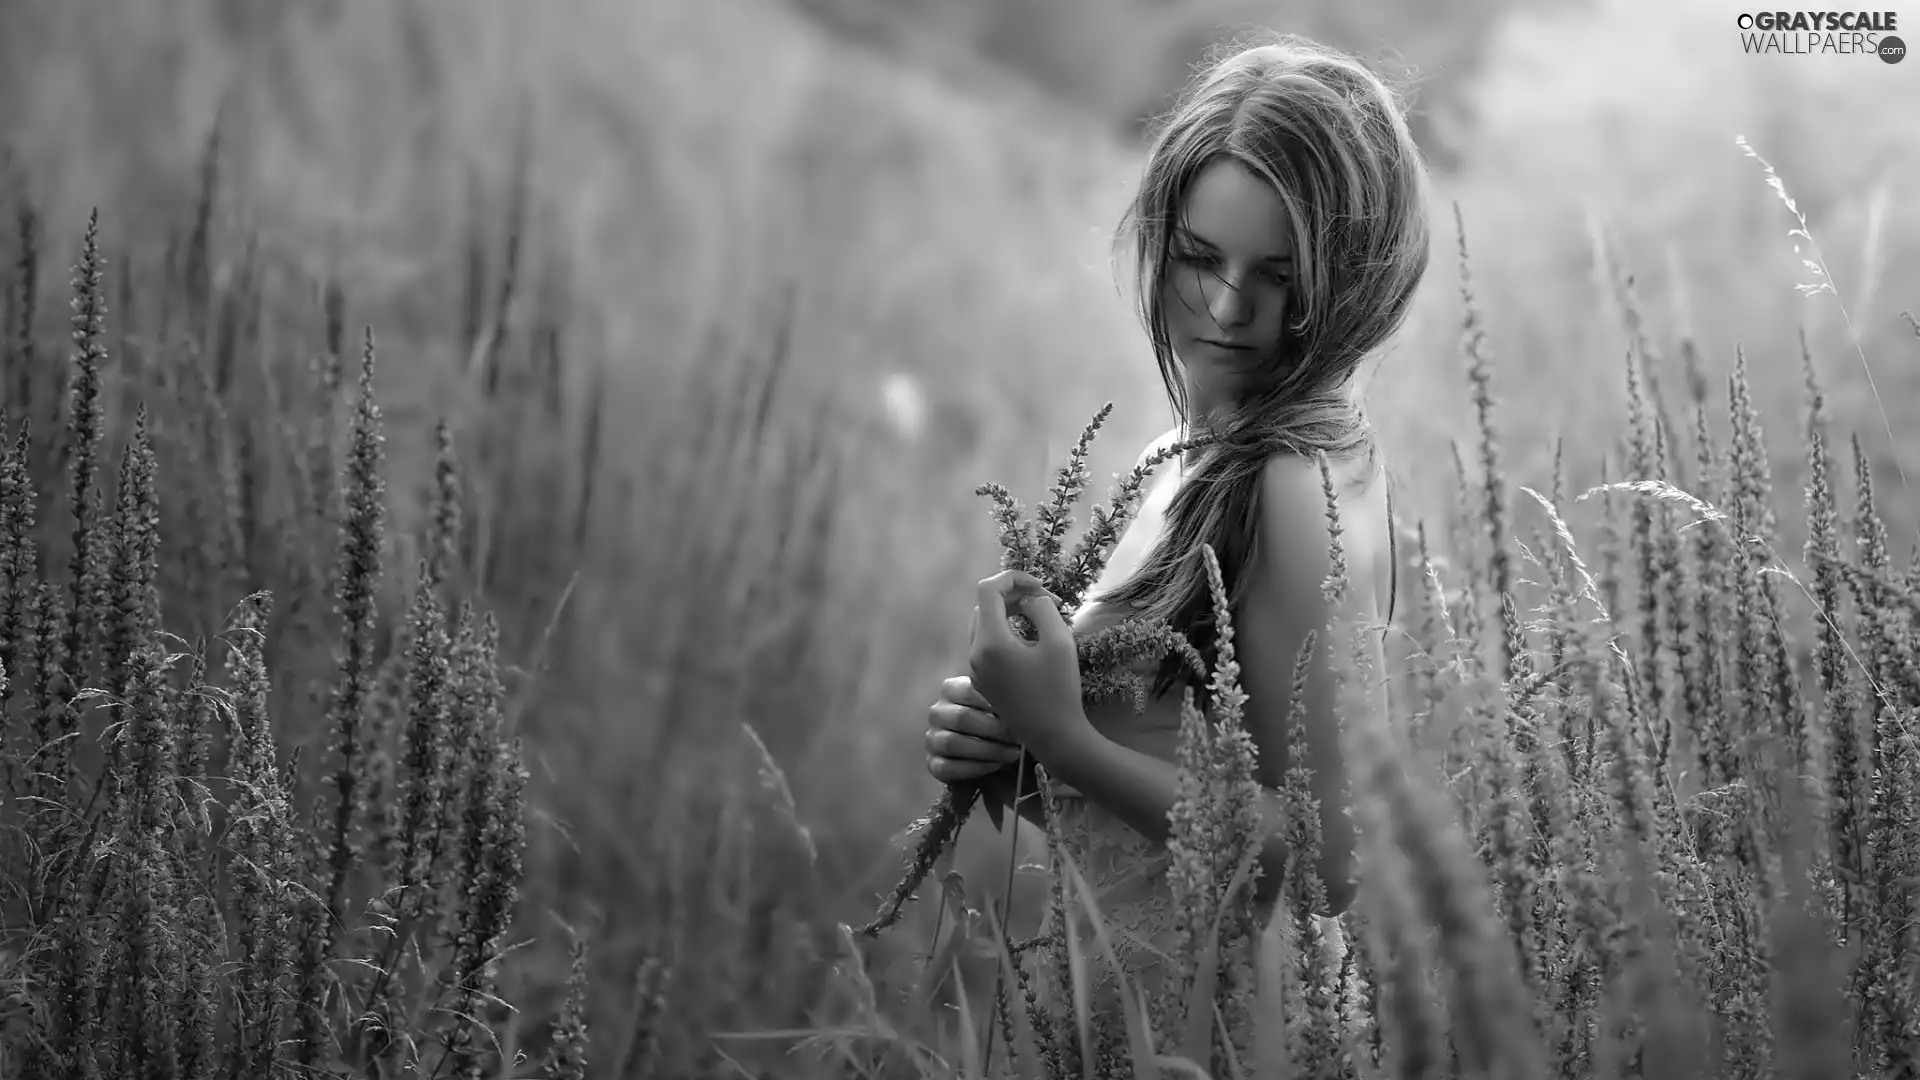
1278	235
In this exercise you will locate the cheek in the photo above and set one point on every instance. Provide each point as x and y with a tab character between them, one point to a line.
1184	298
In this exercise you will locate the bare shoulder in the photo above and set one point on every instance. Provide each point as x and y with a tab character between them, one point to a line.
1294	538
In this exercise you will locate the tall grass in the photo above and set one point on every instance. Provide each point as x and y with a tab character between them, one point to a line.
272	806
199	867
185	895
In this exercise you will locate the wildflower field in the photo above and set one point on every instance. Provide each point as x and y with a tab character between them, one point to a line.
1628	818
392	683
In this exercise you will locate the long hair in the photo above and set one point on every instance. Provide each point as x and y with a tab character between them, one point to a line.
1331	139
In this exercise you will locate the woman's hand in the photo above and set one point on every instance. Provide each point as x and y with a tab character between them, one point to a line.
965	740
1034	685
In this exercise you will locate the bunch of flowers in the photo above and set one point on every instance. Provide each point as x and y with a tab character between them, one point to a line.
1109	657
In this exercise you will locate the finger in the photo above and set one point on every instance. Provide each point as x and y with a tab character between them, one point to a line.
946	716
1043	611
990	627
973	722
948	771
961	691
990	612
1013	584
961	747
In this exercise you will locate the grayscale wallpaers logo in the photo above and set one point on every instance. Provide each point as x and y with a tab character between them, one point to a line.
1850	33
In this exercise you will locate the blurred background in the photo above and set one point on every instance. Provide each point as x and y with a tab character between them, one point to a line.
802	273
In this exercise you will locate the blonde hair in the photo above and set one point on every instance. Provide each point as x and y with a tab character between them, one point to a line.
1332	140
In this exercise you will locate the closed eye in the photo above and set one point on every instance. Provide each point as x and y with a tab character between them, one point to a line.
1280	274
1187	250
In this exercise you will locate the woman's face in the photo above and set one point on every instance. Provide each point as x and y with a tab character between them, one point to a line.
1229	279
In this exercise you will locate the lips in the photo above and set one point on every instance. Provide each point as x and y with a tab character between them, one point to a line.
1228	345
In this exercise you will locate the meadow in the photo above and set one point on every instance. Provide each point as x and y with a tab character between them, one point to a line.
473	607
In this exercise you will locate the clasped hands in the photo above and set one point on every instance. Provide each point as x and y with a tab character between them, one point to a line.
1016	693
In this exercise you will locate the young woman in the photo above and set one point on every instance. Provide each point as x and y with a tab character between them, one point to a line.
1279	233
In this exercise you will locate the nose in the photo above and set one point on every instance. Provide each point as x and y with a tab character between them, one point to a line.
1229	305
